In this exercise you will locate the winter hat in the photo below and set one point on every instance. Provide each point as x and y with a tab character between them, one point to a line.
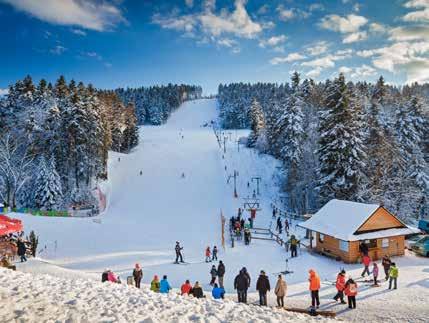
343	271
262	272
138	266
155	277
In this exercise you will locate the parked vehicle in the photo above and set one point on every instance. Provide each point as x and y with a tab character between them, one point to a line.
411	241
424	225
421	247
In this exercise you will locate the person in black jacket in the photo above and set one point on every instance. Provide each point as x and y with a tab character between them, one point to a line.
178	250
197	291
241	284
22	249
263	286
220	273
138	275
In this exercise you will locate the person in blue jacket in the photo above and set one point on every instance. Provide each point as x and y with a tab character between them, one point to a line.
218	292
164	285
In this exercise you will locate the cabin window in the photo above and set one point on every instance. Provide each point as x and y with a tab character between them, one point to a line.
321	237
371	243
385	243
344	245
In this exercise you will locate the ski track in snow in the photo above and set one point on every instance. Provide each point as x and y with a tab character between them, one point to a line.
146	214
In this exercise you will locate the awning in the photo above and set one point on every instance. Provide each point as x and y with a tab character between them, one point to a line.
9	225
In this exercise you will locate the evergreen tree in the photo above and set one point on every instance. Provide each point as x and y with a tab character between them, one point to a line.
48	194
257	120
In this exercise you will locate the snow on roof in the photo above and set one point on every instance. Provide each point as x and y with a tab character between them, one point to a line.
341	219
384	233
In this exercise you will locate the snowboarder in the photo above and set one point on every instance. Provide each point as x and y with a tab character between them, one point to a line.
154	284
293	241
186	288
213	273
393	276
214	253
164	285
386	262
22	249
375	273
178	250
263	286
340	284
220	273
138	275
366	260
197	291
208	254
351	292
218	292
280	291
241	284
314	287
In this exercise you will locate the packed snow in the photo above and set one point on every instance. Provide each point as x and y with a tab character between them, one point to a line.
148	213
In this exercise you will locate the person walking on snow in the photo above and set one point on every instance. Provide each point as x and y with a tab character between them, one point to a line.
220	273
138	275
386	262
393	276
351	292
208	254
214	253
340	284
154	284
314	287
241	284
213	273
164	285
186	288
293	246
178	250
375	273
263	286
366	260
280	291
22	249
279	223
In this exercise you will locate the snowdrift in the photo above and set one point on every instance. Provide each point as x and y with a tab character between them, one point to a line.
35	298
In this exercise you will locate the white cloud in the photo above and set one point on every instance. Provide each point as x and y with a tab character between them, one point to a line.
189	3
94	55
327	61
286	14
348	24
273	41
345	70
292	57
408	33
377	28
418	15
314	73
57	50
355	37
356	7
3	92
263	10
316	7
318	48
226	42
88	14
79	32
363	71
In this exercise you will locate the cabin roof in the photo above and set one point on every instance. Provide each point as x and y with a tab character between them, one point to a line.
341	219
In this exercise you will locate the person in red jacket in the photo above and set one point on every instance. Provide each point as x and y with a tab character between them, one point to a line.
340	285
366	260
314	288
351	292
208	255
186	288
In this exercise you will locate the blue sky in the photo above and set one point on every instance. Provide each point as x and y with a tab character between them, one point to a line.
133	43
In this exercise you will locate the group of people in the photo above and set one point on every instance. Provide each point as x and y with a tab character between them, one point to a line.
218	273
279	226
390	270
211	255
241	227
348	288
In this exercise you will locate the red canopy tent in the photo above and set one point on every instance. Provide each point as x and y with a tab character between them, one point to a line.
9	225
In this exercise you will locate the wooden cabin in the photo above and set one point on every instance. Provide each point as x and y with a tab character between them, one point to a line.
339	227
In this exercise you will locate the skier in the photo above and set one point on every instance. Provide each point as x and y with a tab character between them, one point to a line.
386	262
340	284
280	228
178	250
213	273
366	260
119	159
164	285
287	226
154	284
197	291
241	284
375	273
218	292
279	223
274	213
314	288
138	275
247	237
214	253
351	292
22	249
208	254
393	275
280	291
293	246
263	286
220	273
186	288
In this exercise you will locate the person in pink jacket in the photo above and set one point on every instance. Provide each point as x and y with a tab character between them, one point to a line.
111	277
375	273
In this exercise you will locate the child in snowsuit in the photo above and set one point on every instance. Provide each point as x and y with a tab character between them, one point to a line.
340	285
213	273
208	254
186	288
164	285
375	273
366	260
393	275
218	292
214	253
154	284
351	292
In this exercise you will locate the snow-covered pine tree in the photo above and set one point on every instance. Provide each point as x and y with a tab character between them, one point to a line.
257	122
48	193
341	152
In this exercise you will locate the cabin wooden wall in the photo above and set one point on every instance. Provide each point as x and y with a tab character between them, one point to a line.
380	220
